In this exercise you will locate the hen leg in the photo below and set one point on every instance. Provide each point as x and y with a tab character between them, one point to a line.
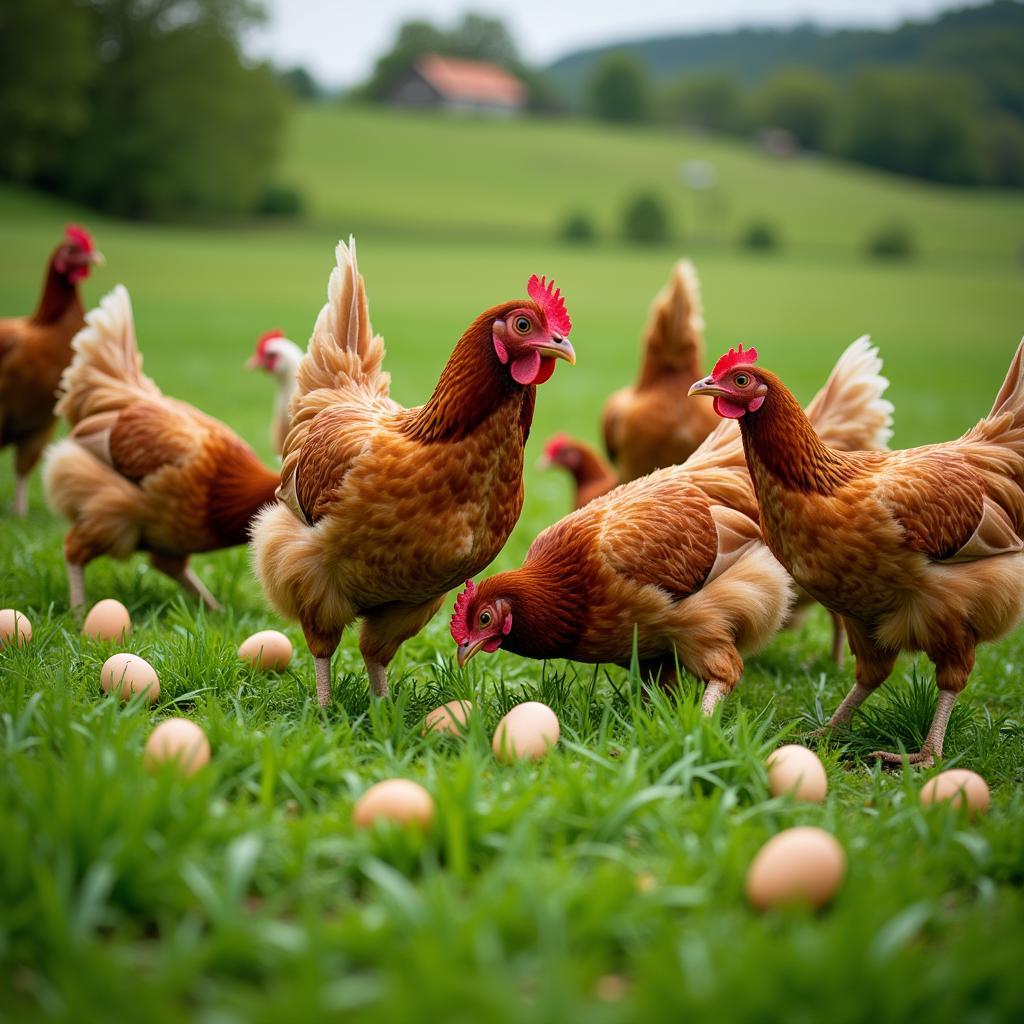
722	669
838	639
384	630
952	669
322	644
25	458
79	551
873	666
179	570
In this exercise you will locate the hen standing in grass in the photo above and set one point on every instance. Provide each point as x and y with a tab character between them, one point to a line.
278	356
674	559
33	353
140	471
383	509
917	550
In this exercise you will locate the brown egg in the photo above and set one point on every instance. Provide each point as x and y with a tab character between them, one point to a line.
529	730
179	740
268	650
14	624
801	865
797	770
128	674
957	785
399	800
451	717
107	620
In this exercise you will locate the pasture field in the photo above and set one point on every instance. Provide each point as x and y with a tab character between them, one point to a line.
606	882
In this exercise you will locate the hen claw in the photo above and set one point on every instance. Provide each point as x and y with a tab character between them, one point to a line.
923	758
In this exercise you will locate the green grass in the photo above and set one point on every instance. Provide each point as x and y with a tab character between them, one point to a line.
245	893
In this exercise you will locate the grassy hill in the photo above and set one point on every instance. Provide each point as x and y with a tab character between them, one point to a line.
605	883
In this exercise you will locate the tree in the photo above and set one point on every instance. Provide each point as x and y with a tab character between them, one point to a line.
48	62
914	122
711	101
159	142
1005	146
300	83
619	89
803	102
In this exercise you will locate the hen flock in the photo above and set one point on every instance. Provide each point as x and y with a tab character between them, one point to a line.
725	508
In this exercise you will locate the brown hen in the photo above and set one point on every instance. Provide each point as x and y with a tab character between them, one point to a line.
140	471
917	550
384	509
33	353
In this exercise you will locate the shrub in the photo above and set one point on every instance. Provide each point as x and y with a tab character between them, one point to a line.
892	241
619	89
761	236
646	220
578	228
281	201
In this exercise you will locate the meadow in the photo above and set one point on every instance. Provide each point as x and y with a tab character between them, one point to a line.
605	882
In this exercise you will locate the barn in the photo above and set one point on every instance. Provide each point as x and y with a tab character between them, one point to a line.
449	83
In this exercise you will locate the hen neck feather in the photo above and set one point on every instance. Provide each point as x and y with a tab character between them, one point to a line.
58	297
780	438
590	468
549	602
661	367
473	386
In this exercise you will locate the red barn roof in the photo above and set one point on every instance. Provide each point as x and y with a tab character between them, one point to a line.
473	81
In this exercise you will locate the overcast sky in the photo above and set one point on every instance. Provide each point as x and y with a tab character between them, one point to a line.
338	40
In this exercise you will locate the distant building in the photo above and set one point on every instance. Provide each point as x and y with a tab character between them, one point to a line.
448	83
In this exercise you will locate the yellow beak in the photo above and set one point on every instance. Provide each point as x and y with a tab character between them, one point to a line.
559	349
707	386
466	651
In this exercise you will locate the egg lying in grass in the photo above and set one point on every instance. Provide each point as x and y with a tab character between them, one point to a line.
529	730
107	620
802	865
128	674
399	800
957	785
14	628
179	740
797	770
451	717
268	650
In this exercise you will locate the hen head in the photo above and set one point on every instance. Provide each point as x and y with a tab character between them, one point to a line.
275	354
76	255
561	450
480	622
529	336
734	384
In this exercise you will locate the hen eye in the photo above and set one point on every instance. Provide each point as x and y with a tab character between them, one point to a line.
522	325
742	380
485	618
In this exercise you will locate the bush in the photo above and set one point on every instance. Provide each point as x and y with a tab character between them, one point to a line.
710	101
761	236
646	220
619	90
802	102
892	241
578	228
281	201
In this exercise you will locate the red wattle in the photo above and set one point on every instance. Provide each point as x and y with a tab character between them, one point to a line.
526	367
727	409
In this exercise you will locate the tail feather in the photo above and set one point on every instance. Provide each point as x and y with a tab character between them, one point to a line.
674	339
849	412
343	355
105	373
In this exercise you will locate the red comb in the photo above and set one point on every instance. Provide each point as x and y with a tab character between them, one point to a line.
460	617
79	236
549	298
734	357
265	340
555	445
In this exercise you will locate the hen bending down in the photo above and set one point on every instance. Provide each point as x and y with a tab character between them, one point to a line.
917	550
141	471
674	559
382	510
